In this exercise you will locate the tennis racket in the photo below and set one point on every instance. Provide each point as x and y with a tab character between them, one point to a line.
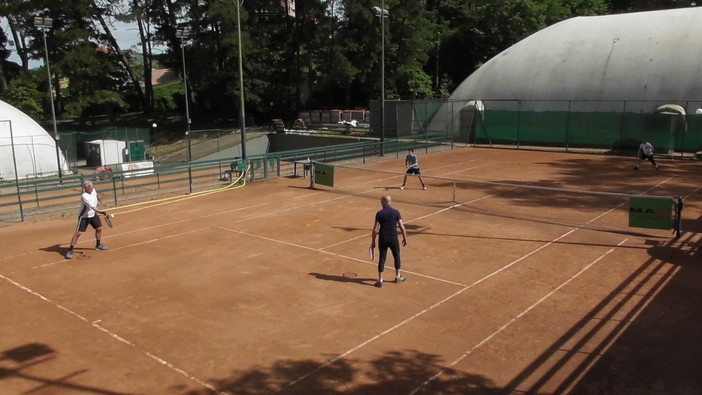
371	252
108	219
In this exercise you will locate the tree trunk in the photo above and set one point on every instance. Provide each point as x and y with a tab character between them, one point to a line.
3	81
122	56
146	53
20	45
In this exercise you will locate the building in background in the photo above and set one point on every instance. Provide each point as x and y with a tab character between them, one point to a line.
34	147
599	81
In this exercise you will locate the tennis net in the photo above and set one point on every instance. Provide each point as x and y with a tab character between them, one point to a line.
546	202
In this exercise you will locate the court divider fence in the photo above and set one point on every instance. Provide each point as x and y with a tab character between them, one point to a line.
40	196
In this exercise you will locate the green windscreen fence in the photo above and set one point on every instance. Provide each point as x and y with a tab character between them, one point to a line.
603	130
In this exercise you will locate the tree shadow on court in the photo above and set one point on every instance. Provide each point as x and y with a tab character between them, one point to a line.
691	225
17	364
660	352
397	372
644	337
348	277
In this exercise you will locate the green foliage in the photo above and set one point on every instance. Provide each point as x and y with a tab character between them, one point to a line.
23	94
328	55
446	87
98	102
414	83
166	96
619	6
92	84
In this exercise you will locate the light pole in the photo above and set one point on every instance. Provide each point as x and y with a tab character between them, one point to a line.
242	111
182	34
382	13
14	163
44	23
438	50
154	143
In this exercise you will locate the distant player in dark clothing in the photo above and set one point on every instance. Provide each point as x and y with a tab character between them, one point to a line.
387	220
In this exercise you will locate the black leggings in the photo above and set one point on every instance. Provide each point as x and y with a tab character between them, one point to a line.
394	245
649	158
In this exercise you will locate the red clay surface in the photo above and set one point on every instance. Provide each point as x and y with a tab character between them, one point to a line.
268	288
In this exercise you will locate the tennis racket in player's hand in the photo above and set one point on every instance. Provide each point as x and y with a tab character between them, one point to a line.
108	219
371	252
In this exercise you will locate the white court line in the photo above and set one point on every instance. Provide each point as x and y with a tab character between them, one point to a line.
585	369
402	323
416	219
435	305
126	246
182	372
515	318
95	324
330	253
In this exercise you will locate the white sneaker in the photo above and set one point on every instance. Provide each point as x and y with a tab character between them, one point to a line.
402	187
425	188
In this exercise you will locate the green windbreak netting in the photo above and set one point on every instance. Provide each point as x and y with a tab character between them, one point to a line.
604	130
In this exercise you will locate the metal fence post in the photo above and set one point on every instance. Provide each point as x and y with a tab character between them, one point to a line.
114	189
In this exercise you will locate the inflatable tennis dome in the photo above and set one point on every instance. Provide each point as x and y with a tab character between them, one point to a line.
34	149
584	71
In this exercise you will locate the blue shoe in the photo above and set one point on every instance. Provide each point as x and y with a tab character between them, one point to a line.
100	247
69	254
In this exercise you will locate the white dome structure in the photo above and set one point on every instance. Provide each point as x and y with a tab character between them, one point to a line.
637	56
34	148
629	63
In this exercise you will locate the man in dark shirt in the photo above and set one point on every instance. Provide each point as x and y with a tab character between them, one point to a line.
387	220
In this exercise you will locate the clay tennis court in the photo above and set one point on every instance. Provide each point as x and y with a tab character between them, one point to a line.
269	289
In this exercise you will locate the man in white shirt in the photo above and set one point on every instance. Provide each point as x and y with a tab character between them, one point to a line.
646	153
89	202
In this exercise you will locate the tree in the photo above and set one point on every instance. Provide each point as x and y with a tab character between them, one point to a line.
4	54
100	13
409	50
620	6
327	55
23	94
475	31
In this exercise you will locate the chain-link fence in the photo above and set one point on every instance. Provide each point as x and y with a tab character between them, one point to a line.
137	142
609	125
36	196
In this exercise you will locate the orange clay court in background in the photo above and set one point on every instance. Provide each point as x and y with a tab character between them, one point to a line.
268	288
